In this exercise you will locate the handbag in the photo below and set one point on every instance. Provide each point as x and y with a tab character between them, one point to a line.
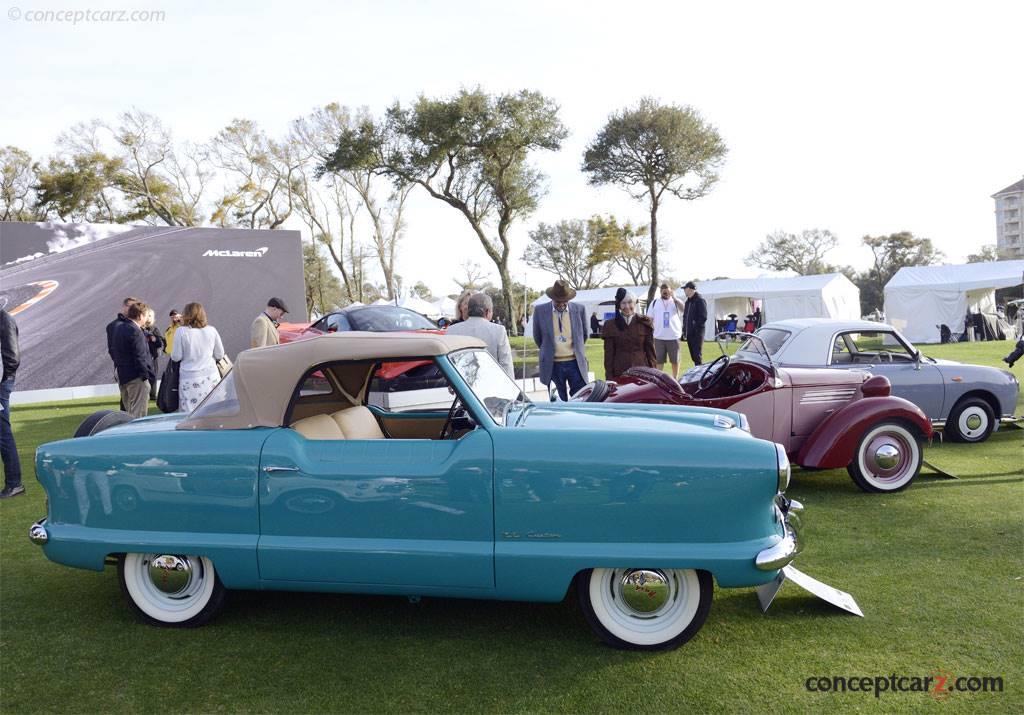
224	366
167	397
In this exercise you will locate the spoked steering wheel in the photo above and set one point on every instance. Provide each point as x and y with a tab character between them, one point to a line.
711	375
446	431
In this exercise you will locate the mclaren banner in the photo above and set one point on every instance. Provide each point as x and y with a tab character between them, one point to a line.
64	282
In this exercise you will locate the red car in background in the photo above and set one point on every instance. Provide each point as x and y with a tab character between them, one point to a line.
371	319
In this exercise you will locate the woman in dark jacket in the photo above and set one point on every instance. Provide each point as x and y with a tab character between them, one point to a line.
628	339
155	342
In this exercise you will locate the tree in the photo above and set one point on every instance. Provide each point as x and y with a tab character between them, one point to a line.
321	130
571	250
78	188
627	248
652	149
262	183
889	254
803	254
986	255
153	175
422	290
469	151
18	177
473	276
323	289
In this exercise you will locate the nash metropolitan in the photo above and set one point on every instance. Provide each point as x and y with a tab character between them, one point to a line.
295	474
967	402
824	419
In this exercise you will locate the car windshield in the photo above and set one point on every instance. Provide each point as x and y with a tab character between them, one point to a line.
772	338
387	319
491	385
222	400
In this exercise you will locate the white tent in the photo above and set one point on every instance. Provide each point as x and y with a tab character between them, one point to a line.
830	295
418	305
446	306
918	299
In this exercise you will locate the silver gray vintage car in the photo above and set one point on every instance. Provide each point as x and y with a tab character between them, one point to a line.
967	402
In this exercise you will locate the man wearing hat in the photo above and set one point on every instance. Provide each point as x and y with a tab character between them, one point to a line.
560	331
264	328
695	315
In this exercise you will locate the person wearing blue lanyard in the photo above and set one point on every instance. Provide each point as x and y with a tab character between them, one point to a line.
560	332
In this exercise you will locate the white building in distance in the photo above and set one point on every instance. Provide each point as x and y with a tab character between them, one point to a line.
1009	204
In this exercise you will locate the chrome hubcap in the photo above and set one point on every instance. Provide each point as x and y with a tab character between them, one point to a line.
643	591
170	574
887	456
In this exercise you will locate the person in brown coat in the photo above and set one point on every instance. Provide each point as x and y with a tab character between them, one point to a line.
628	339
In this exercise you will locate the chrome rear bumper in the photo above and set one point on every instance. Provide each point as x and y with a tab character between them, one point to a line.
785	550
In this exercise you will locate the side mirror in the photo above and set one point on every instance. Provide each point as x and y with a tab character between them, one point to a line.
552	393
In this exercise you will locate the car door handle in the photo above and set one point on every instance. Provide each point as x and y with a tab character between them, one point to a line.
270	469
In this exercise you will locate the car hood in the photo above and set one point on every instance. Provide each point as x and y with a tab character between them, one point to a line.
622	417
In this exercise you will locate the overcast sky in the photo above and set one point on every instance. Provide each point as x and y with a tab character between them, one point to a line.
862	118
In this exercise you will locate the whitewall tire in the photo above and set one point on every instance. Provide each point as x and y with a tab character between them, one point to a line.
645	609
887	459
170	589
970	420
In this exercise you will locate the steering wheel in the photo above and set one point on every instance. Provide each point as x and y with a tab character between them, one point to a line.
710	377
447	431
887	355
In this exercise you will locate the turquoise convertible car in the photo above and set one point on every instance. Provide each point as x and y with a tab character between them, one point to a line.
305	470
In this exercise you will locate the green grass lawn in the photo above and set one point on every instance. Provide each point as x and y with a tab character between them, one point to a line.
938	571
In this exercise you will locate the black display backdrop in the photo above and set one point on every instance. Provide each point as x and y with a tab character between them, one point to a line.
64	282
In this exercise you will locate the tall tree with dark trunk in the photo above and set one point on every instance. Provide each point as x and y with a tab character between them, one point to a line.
469	151
653	149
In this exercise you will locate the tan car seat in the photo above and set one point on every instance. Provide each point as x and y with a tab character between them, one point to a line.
357	423
318	427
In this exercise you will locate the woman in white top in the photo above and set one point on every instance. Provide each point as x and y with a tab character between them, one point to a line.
198	347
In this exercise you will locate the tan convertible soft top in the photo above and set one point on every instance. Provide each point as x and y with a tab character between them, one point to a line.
265	378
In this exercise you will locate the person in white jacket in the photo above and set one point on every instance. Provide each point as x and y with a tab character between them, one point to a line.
481	309
197	346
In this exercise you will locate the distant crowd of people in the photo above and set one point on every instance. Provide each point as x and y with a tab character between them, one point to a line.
190	342
560	330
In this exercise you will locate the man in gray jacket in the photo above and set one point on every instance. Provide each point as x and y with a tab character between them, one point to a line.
560	331
480	308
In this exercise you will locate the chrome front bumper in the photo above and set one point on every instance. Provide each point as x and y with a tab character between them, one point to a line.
37	532
785	550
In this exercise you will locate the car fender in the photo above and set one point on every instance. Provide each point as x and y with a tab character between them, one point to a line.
835	440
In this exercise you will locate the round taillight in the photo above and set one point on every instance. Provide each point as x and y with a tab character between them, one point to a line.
876	386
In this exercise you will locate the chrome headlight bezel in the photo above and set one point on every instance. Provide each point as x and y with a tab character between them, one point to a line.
785	471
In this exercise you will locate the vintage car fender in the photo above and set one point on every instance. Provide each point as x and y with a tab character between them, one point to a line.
834	442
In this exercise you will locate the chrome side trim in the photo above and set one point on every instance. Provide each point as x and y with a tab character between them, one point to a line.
272	469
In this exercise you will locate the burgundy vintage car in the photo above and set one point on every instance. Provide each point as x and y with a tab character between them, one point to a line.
825	419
